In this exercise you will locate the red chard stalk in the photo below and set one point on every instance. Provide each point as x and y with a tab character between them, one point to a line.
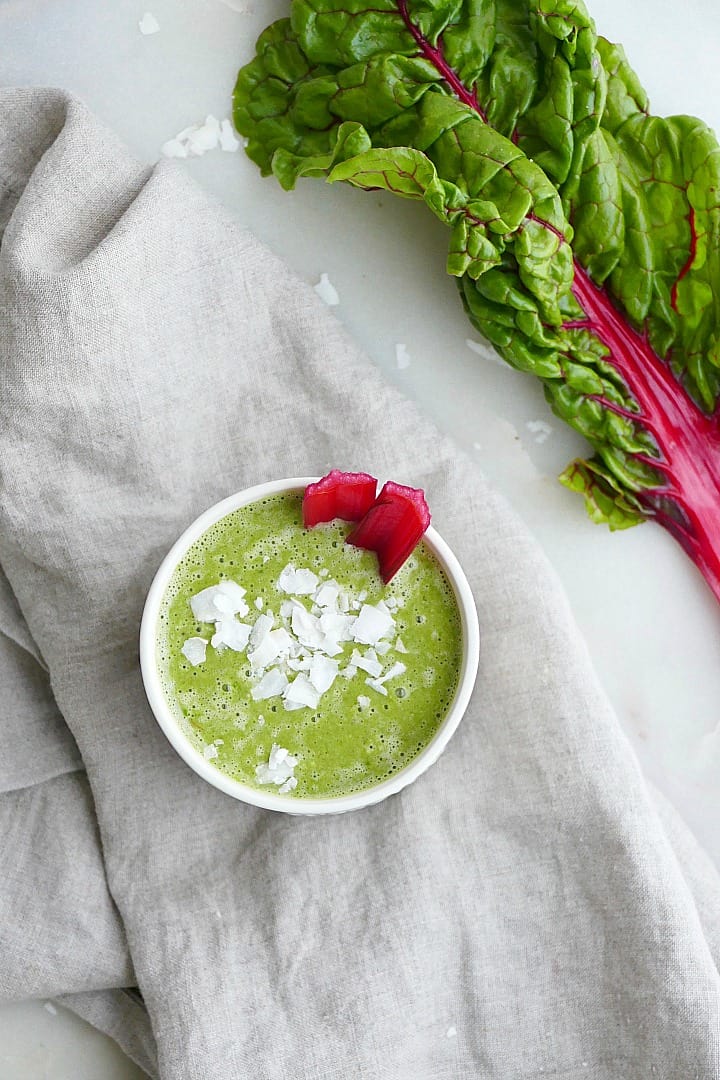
391	524
338	495
393	527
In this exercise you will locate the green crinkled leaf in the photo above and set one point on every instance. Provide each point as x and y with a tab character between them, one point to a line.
343	33
597	210
605	501
508	81
350	140
546	129
531	138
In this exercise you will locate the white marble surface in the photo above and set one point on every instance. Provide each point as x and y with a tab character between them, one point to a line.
40	1040
651	626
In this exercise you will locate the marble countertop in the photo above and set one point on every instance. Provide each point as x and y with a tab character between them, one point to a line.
651	626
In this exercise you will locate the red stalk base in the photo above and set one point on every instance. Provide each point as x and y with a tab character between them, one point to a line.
687	438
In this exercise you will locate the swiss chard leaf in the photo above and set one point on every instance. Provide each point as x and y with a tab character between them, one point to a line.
584	232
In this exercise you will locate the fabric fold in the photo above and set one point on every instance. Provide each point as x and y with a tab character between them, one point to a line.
121	1015
523	892
59	929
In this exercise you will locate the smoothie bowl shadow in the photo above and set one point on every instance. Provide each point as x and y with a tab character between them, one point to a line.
184	696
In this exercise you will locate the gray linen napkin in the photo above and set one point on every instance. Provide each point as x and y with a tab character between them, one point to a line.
519	911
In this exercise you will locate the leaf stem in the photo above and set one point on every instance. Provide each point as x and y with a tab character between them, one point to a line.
435	55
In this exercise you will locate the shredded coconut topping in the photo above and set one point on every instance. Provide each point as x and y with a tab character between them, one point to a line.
297	656
272	684
148	24
373	624
402	356
228	142
278	770
297	582
227	598
231	633
194	650
300	693
196	140
327	291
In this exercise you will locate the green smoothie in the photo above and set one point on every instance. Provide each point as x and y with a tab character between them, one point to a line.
298	671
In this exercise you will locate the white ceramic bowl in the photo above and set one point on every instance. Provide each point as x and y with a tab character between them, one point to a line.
287	804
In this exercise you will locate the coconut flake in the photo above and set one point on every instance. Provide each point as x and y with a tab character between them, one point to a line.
274	646
402	357
148	24
397	668
306	627
383	648
230	632
327	291
300	694
279	767
297	582
368	663
261	628
230	599
194	141
210	752
289	785
272	684
335	628
375	684
363	701
212	603
327	595
174	148
203	137
259	603
301	663
372	624
322	672
227	139
337	625
195	650
400	645
280	756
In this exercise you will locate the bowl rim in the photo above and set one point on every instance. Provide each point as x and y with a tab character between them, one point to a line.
267	800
